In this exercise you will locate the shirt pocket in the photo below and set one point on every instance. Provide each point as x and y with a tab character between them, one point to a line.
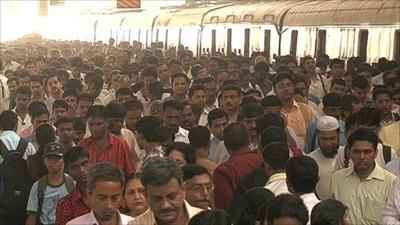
373	210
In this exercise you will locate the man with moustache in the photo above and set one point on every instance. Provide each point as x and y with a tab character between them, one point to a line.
77	203
249	115
198	186
104	188
162	179
328	132
231	98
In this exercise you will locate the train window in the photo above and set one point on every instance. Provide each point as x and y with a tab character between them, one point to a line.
268	18
213	42
293	43
397	46
362	44
230	18
321	43
214	19
246	42
229	41
248	18
267	43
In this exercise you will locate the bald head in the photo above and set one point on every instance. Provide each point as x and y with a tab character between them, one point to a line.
236	136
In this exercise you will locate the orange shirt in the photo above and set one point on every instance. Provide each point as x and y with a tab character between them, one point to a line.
298	119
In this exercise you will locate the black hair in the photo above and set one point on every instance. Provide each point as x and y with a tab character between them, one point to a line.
73	84
8	120
363	134
196	87
216	114
332	99
104	171
84	97
351	121
199	137
23	90
97	81
369	117
359	82
281	76
276	155
76	62
38	111
60	103
211	217
191	170
74	154
123	91
336	61
156	89
348	101
149	127
174	104
149	72
159	171
253	199
381	91
251	110
116	110
98	111
79	124
209	80
236	136
302	173
133	104
270	101
179	75
267	120
231	87
72	93
271	135
63	120
184	148
45	134
338	81
287	206
328	212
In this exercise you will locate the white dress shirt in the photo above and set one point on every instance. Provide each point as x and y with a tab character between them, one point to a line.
310	200
90	219
277	184
182	135
391	212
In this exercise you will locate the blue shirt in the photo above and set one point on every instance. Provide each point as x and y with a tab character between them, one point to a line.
213	147
311	132
52	195
11	139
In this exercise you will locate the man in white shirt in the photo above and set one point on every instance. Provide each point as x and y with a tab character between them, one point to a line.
302	178
391	212
328	131
105	188
276	155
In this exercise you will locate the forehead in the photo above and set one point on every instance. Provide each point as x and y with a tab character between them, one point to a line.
96	119
284	81
230	93
179	79
164	190
362	144
200	179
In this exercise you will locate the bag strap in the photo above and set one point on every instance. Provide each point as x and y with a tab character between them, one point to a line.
3	150
22	145
346	157
42	183
69	183
387	153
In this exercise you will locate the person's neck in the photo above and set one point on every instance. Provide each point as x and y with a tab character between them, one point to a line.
298	194
68	145
387	117
113	221
149	146
210	102
232	115
202	153
180	97
145	92
57	95
166	83
312	75
101	143
56	179
21	112
363	174
287	105
117	133
181	219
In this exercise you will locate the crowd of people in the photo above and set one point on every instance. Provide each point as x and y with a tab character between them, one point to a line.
116	134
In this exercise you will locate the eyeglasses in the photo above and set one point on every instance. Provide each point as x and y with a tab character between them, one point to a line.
201	187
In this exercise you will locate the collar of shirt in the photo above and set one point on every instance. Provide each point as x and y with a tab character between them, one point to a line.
241	151
111	139
294	106
309	197
9	133
122	219
276	177
377	173
190	210
182	132
208	109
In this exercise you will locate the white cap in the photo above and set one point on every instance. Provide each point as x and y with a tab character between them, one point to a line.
327	123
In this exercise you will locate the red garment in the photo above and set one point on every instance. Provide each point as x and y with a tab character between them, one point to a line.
116	152
71	207
296	152
230	173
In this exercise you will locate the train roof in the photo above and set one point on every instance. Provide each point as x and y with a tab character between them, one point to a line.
344	12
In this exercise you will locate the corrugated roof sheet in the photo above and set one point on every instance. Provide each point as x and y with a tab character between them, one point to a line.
344	12
139	19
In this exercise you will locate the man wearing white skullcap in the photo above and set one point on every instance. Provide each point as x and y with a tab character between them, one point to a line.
328	132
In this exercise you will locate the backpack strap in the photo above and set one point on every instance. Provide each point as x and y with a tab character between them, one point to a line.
22	145
387	153
69	183
3	150
42	183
